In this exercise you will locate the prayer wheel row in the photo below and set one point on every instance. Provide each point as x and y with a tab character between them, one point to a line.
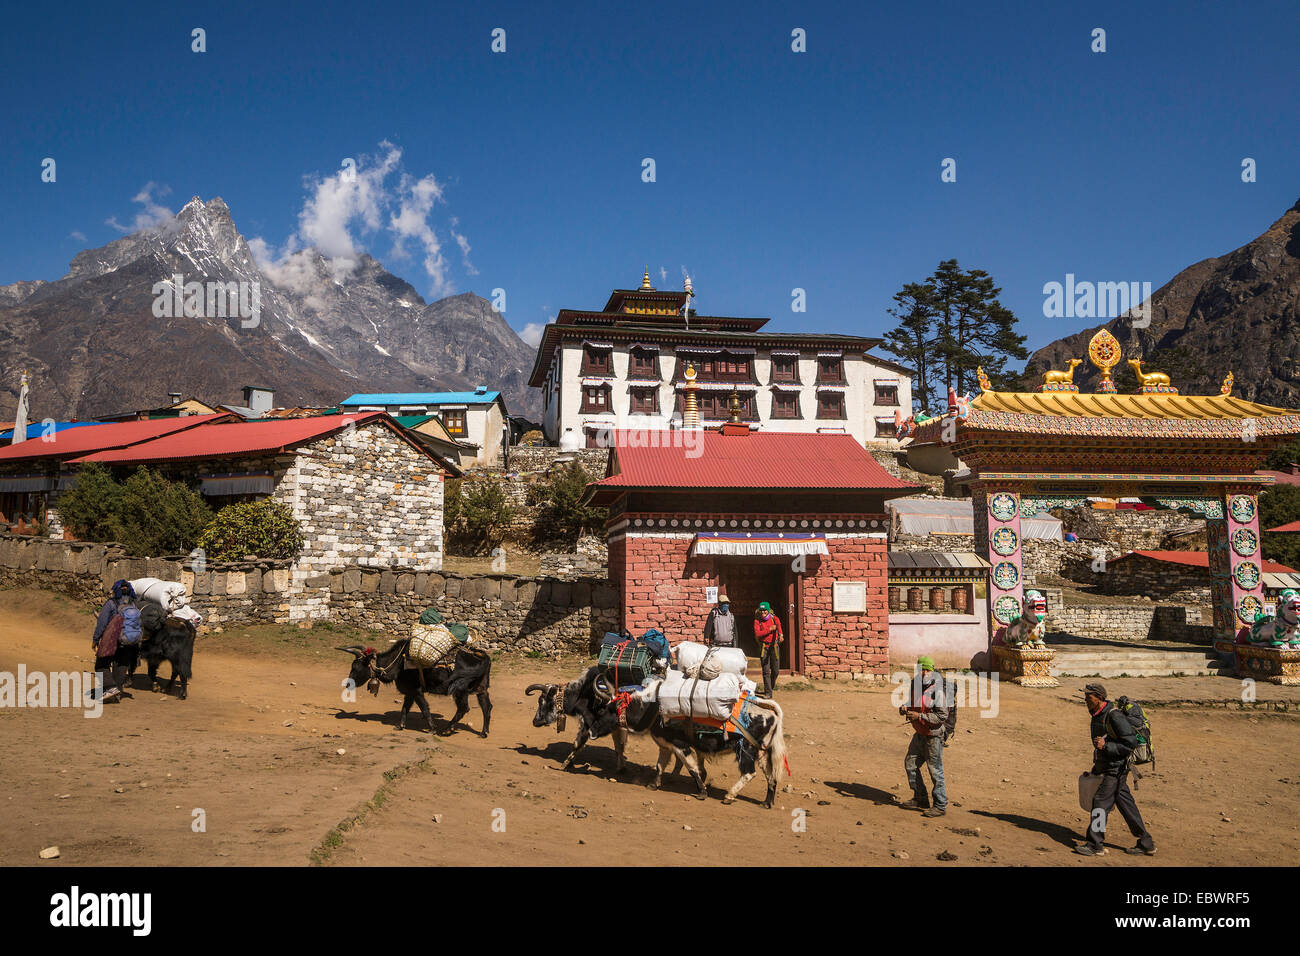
939	599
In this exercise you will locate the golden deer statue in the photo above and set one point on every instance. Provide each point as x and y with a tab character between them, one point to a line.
1057	377
1147	379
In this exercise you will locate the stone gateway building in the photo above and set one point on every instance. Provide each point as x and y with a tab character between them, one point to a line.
749	513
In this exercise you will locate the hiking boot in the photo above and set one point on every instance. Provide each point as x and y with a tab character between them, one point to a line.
1140	850
1084	849
935	812
915	804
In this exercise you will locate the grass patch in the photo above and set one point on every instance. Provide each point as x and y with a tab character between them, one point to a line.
336	837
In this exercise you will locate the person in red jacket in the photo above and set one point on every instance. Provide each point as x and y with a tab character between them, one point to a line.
767	631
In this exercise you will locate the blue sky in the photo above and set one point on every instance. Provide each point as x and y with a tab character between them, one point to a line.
775	170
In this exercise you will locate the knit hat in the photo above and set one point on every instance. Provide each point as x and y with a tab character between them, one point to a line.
927	663
1098	690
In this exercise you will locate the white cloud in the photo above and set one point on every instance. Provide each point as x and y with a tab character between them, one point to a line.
532	333
78	235
357	203
153	214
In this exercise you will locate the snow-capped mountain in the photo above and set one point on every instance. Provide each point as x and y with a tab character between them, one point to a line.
108	338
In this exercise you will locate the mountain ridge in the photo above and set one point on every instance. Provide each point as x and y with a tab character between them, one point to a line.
325	329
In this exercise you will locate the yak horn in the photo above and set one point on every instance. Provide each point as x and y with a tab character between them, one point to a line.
532	687
350	649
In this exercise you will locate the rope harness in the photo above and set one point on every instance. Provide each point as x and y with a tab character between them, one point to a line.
561	718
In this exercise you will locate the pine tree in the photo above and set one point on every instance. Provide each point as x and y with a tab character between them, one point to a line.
912	340
949	326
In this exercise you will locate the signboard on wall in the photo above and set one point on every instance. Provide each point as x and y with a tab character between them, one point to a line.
710	595
849	597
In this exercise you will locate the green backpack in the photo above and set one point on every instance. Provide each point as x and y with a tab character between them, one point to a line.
1145	751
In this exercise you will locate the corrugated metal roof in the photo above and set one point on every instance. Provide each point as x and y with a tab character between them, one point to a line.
81	441
240	438
1197	559
37	429
784	460
904	560
1291	526
422	398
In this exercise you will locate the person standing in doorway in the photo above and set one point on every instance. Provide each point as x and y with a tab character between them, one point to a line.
767	631
720	625
1113	740
928	712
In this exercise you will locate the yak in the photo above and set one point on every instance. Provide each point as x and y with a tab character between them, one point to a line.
468	675
166	638
598	710
761	746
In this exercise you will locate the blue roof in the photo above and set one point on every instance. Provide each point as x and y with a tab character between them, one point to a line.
37	429
422	398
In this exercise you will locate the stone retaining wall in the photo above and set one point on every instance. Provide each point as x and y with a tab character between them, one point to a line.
503	611
1130	622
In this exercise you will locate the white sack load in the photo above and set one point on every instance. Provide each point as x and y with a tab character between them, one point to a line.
682	696
430	643
188	613
729	660
168	595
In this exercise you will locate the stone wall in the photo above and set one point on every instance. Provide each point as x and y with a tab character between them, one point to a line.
1044	561
1129	530
539	459
1129	622
503	611
1157	579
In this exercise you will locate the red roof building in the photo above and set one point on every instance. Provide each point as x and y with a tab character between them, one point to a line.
361	489
797	520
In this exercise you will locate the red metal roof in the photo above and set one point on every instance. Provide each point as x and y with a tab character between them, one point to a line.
98	438
762	459
1291	526
1198	559
240	438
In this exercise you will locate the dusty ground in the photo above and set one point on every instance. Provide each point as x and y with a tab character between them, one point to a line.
256	748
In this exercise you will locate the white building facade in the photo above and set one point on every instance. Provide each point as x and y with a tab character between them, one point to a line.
624	367
478	418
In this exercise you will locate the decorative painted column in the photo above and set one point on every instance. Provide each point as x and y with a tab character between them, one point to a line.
999	541
1244	557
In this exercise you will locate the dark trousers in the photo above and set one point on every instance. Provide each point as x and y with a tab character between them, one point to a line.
127	658
771	661
1112	793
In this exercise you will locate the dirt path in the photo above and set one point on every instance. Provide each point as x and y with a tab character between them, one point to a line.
255	747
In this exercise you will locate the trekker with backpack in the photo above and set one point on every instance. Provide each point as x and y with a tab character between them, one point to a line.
1114	742
927	709
117	636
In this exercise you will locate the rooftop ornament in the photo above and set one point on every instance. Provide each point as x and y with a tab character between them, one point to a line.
1104	352
1055	380
1151	383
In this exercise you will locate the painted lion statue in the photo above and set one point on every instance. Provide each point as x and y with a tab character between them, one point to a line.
1281	630
1030	628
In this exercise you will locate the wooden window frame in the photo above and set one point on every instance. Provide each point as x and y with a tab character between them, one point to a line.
452	430
777	414
588	408
823	378
792	378
643	362
636	406
887	404
591	367
821	411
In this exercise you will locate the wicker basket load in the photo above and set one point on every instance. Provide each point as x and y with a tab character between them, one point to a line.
430	643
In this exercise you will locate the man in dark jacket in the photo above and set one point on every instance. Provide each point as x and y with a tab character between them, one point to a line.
1113	740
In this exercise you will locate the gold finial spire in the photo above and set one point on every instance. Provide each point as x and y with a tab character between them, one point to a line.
690	401
734	406
1104	352
645	280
